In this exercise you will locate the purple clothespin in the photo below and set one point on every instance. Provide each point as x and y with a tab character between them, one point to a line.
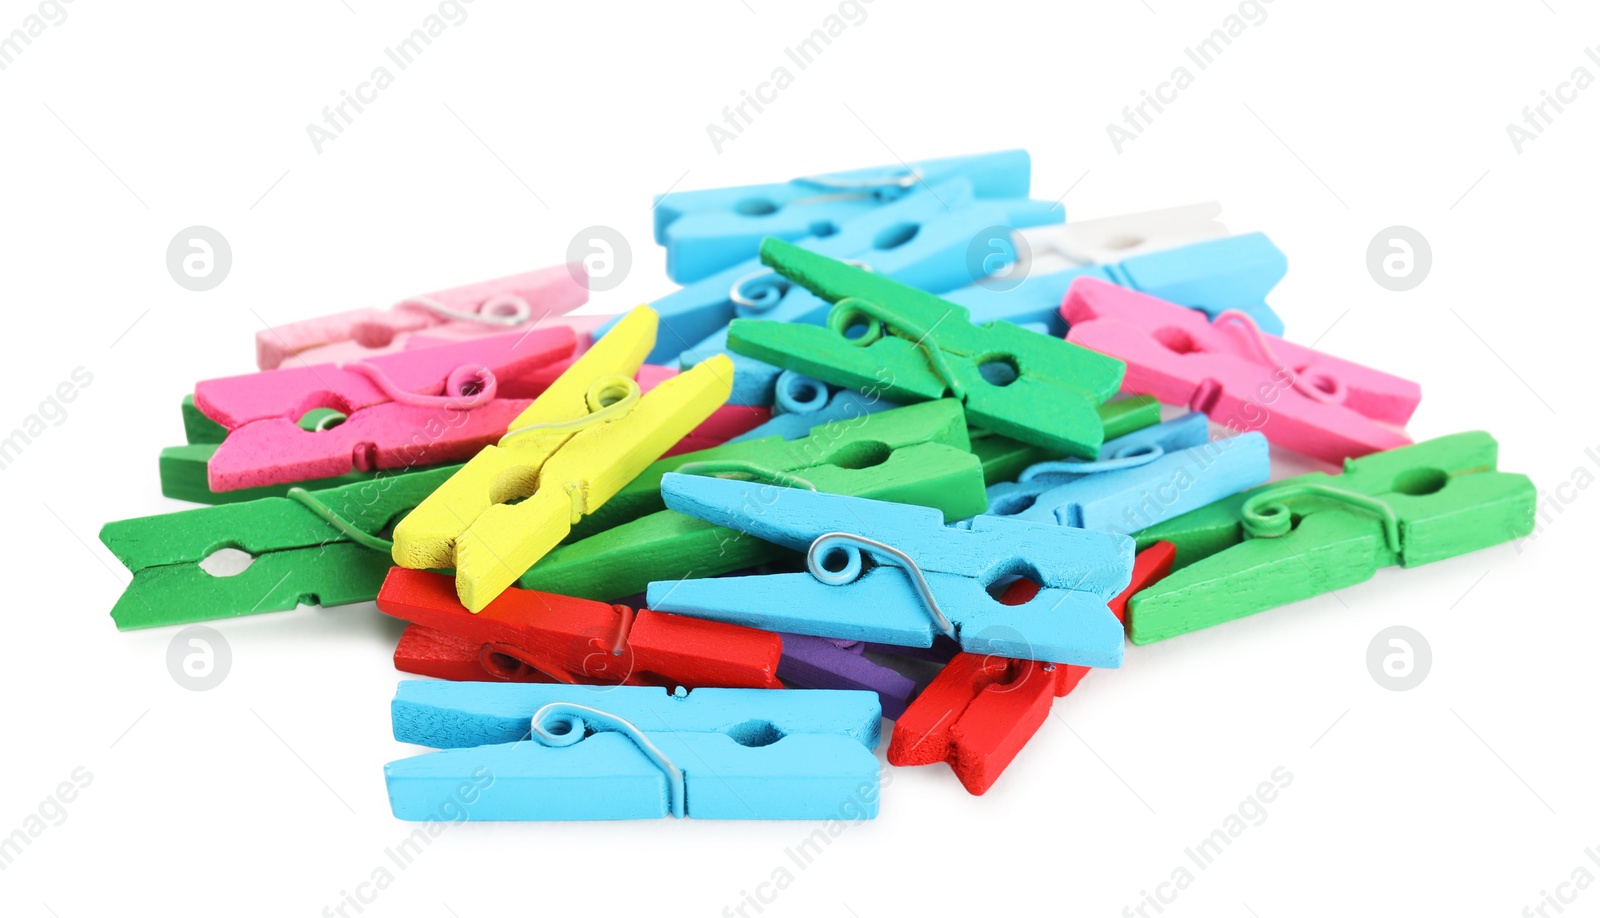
825	663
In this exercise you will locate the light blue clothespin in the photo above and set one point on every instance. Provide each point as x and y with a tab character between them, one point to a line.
716	228
944	251
1236	272
803	403
544	752
705	307
894	574
1139	479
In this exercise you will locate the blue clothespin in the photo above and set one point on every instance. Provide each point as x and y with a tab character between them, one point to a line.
894	574
716	228
1139	479
702	308
803	403
546	752
924	238
1212	276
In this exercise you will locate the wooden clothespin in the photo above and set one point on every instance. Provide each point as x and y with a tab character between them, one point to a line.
922	239
184	469
401	410
562	752
1208	275
907	345
518	302
894	574
710	230
579	443
1004	458
1305	536
528	636
1241	377
1139	479
917	454
980	711
824	663
312	546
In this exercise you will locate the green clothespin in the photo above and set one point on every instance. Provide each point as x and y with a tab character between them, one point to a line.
323	546
183	468
1316	533
1004	458
917	454
906	345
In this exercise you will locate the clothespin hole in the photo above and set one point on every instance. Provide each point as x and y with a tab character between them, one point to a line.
999	370
1175	340
1011	504
755	207
372	335
822	229
227	562
1123	242
1417	482
1330	387
755	733
319	419
895	236
861	454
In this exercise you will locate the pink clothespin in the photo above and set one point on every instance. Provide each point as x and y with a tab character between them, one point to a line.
408	408
1241	377
518	302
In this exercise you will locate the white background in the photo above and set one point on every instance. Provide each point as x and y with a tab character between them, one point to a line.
1323	124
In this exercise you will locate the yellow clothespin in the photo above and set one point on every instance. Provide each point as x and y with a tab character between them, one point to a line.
580	442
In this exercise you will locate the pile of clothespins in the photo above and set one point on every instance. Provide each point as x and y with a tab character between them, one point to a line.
835	446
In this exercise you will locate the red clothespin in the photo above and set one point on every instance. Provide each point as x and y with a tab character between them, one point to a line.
529	636
980	711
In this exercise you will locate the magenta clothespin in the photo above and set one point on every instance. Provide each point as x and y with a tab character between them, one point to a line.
1241	377
409	408
518	302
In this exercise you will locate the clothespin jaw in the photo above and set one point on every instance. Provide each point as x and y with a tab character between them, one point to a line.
418	407
1004	458
1241	377
709	230
1141	480
1310	535
555	752
916	454
908	345
569	460
980	711
852	589
320	546
564	639
516	302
